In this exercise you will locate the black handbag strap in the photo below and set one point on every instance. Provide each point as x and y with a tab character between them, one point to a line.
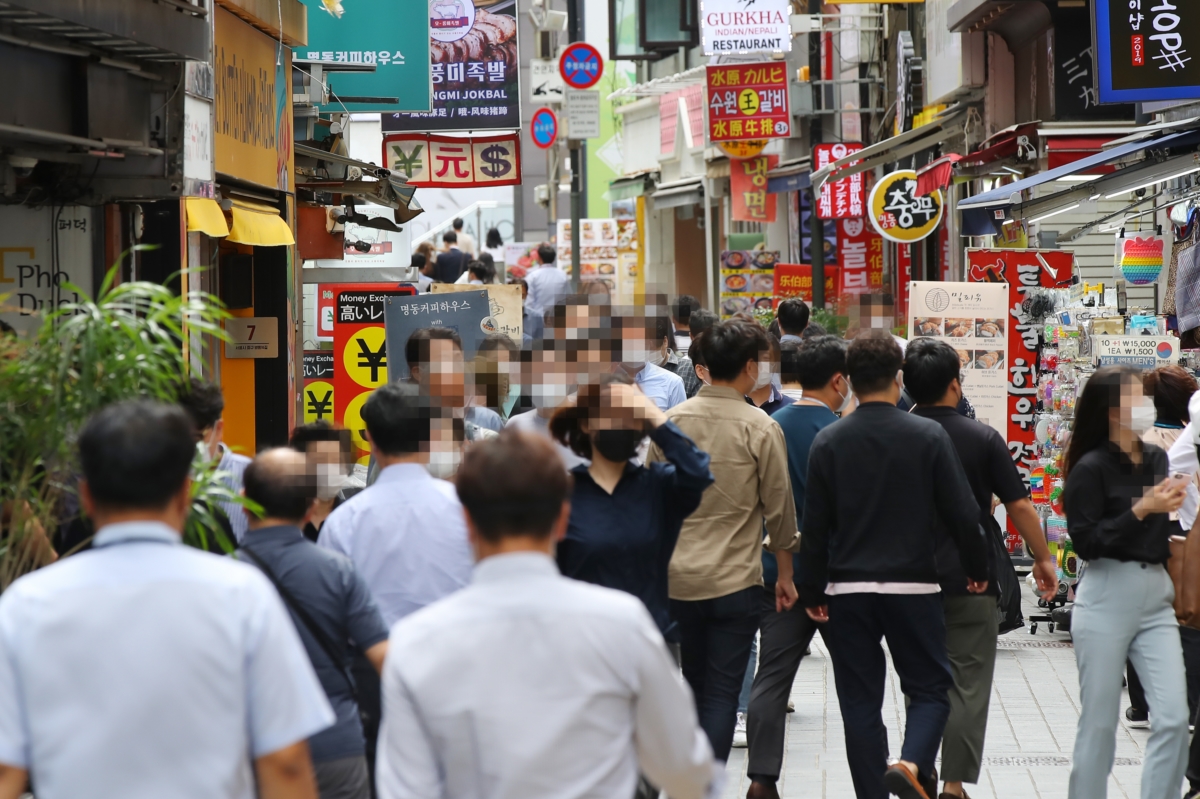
323	640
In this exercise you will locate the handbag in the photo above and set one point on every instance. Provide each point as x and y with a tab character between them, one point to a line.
1184	568
1008	603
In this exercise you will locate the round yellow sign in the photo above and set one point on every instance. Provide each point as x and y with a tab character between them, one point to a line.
896	211
353	422
365	357
318	402
743	149
748	102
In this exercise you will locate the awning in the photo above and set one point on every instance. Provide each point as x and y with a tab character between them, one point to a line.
936	175
1018	22
1016	140
889	150
1063	150
793	175
389	188
259	226
626	188
677	193
205	216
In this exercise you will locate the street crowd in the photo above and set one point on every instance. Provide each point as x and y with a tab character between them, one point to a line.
500	601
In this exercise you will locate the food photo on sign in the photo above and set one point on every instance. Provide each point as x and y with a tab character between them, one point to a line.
748	282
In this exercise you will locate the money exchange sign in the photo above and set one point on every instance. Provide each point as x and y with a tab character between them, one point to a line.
454	162
898	213
748	101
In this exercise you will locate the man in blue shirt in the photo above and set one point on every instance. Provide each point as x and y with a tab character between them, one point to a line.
548	284
638	350
784	636
330	605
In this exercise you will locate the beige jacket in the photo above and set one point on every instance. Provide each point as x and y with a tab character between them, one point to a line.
720	547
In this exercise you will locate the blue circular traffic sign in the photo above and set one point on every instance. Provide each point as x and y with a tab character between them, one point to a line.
581	65
544	127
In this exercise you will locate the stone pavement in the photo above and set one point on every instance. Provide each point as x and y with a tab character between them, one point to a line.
1031	727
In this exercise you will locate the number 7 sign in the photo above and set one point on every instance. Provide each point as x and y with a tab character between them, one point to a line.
245	341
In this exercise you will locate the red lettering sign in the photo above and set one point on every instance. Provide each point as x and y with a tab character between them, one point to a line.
1138	48
748	101
748	185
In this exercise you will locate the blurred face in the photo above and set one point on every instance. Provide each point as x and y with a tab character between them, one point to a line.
444	377
1136	413
324	452
551	380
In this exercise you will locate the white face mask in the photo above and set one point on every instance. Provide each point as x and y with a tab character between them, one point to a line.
846	399
764	375
655	358
330	480
1142	416
550	395
444	464
634	354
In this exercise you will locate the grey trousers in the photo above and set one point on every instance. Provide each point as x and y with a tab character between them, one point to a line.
783	639
1125	610
344	778
971	630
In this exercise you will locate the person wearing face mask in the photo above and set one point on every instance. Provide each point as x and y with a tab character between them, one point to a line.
670	358
879	482
1118	497
205	404
496	370
715	577
550	382
641	356
625	518
766	395
330	451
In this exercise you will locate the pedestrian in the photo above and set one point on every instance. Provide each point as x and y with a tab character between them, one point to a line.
493	245
792	315
820	366
405	533
548	285
873	312
769	398
528	684
715	576
550	381
932	375
205	404
681	315
496	372
143	668
330	605
452	261
789	369
640	358
700	321
625	518
671	358
532	323
424	272
878	482
330	453
466	242
1117	497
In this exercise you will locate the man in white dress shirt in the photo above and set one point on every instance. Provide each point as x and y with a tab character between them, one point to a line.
548	284
144	669
527	684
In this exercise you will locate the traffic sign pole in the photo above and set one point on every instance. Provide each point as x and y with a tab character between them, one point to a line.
575	33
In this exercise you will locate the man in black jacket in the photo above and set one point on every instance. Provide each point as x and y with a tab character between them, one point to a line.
452	262
877	482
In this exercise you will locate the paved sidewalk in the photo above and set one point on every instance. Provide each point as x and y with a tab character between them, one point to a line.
1031	727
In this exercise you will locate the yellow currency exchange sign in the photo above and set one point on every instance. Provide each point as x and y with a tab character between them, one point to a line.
318	402
365	357
896	211
355	424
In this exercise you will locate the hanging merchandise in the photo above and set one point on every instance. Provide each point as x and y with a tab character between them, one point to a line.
1187	288
1141	259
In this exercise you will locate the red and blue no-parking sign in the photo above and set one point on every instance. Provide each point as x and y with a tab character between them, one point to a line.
544	128
581	65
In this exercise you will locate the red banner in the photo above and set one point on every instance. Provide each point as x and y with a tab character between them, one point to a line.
748	101
1022	270
844	198
860	255
795	280
748	185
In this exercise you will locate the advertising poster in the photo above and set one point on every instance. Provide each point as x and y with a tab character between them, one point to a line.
971	317
383	248
843	198
734	26
504	301
748	185
454	162
519	258
795	280
1143	352
1145	49
318	386
1021	270
31	284
474	69
748	101
860	256
829	236
599	259
747	281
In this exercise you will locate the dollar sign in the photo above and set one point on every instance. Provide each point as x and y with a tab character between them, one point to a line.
496	157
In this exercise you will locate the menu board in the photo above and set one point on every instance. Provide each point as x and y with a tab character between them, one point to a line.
747	281
599	241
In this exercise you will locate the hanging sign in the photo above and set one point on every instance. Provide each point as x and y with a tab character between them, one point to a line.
318	386
581	65
742	149
748	101
734	26
860	255
898	213
1143	50
843	198
748	185
545	81
795	280
543	128
454	162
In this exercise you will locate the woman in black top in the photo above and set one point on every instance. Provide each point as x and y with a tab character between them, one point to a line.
1118	496
625	518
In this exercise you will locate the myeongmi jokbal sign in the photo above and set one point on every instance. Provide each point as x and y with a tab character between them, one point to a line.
743	26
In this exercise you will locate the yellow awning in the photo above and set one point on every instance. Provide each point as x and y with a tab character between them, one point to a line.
205	216
259	226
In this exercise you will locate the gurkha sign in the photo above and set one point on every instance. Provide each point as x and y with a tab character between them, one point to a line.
898	213
1144	50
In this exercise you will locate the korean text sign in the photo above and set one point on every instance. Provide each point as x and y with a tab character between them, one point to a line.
840	199
898	213
860	256
1144	50
466	313
454	162
748	101
748	185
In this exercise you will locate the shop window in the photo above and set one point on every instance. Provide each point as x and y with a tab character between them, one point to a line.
646	30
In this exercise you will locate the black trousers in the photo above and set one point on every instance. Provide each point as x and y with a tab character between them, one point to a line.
715	639
783	637
370	702
915	629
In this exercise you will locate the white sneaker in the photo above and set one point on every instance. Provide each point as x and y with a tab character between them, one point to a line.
739	732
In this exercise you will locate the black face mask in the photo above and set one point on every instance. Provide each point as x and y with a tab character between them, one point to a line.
617	445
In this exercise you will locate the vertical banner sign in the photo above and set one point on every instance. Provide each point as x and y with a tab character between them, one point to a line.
748	185
466	162
840	199
748	101
359	352
318	386
860	254
735	26
1022	270
474	69
1146	50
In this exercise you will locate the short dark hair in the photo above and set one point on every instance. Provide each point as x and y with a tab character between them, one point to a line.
728	345
566	425
793	315
683	307
813	330
482	270
416	349
546	253
700	320
818	360
397	418
513	485
203	402
494	342
320	430
137	454
872	361
789	361
418	260
930	366
450	237
457	223
282	493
